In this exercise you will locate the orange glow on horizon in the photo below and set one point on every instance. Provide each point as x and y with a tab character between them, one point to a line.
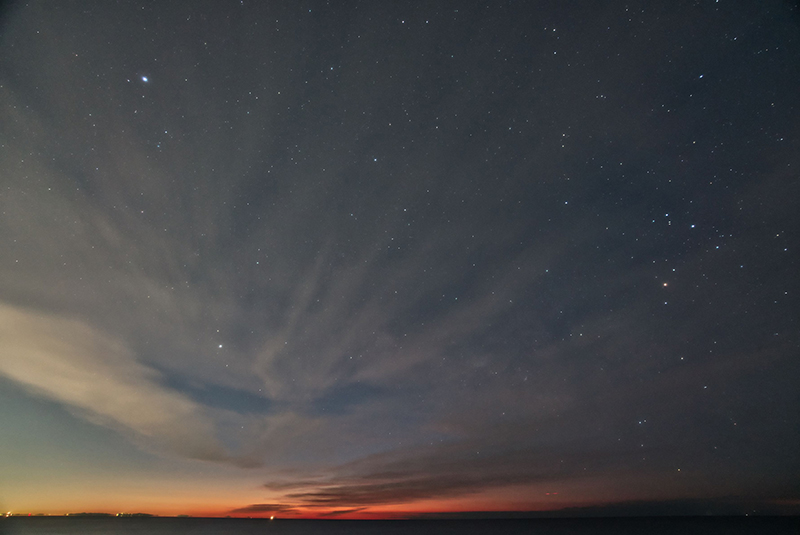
391	512
540	502
249	504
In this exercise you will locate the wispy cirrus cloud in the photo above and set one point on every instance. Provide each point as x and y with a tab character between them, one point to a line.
99	378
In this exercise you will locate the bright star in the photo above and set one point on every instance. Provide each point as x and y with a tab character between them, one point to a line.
145	79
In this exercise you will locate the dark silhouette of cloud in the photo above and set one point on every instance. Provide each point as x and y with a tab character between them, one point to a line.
265	508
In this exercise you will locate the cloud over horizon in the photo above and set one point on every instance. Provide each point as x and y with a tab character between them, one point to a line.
98	378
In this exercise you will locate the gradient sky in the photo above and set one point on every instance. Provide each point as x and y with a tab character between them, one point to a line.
370	258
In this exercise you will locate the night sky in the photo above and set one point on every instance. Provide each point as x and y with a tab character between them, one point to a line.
386	258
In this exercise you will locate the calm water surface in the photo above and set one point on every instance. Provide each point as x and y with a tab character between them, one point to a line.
232	526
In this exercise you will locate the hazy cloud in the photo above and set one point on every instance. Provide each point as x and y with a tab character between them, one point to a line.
70	362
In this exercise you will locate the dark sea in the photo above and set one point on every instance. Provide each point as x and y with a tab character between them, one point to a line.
235	526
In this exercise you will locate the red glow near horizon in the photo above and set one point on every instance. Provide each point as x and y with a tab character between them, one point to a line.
386	512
